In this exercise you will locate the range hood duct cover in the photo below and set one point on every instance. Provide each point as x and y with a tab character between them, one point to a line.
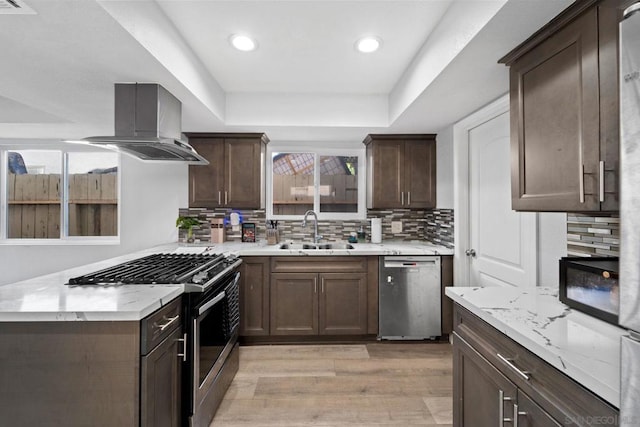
148	125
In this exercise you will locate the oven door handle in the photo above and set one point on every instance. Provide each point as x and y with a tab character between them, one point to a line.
211	303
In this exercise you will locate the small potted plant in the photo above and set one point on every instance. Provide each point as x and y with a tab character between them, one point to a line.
187	222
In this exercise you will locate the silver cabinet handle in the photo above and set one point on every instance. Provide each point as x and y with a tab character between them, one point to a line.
408	198
322	285
602	180
509	363
219	197
470	252
170	320
225	197
581	184
501	419
315	286
402	198
516	414
184	347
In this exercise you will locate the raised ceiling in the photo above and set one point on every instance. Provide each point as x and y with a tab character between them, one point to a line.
305	81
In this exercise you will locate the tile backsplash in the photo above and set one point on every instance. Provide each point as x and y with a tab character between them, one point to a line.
593	235
435	226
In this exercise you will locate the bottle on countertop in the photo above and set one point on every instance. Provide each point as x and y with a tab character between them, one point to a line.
361	235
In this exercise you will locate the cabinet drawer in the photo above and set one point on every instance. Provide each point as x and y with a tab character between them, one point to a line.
319	264
552	390
157	326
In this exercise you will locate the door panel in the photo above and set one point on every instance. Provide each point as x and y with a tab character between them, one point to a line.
294	304
504	241
477	387
206	183
161	384
242	173
554	92
531	415
254	296
343	304
387	175
420	174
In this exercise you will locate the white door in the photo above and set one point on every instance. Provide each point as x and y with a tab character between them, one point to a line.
501	244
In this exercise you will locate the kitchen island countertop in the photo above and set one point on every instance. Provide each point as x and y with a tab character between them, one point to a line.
48	299
584	348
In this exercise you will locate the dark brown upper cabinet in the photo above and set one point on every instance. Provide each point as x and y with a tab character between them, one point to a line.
235	175
564	112
401	171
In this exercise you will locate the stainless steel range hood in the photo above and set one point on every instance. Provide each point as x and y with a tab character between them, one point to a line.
148	125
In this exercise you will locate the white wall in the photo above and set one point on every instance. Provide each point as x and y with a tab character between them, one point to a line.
444	168
151	195
552	245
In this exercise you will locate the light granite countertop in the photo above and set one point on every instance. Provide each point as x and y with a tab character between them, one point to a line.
48	298
585	348
373	249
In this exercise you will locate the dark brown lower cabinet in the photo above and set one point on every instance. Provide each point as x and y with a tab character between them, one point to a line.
254	296
484	397
92	373
525	391
294	304
160	383
343	304
319	296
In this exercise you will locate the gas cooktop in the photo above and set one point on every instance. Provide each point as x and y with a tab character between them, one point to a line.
200	270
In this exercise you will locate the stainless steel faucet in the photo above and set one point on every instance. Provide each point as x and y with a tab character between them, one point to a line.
316	237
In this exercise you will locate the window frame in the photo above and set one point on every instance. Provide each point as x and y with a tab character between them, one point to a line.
64	238
360	153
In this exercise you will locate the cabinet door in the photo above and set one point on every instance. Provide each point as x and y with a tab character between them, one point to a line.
387	174
161	373
343	304
420	174
294	304
481	394
531	415
243	173
206	183
254	296
555	141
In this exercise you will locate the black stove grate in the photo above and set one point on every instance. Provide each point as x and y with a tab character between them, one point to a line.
156	268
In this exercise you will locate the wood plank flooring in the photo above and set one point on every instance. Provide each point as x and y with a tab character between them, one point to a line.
375	384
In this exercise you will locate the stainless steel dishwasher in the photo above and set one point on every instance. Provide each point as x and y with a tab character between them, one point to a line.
409	298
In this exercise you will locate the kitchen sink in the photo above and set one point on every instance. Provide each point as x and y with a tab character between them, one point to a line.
319	246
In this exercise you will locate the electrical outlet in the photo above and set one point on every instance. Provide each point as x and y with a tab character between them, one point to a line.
396	227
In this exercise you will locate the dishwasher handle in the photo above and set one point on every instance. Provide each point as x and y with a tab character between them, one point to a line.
409	263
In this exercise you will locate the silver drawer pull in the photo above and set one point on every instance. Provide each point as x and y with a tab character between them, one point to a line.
183	340
170	320
509	363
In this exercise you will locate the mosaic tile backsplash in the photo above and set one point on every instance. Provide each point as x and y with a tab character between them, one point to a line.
435	226
593	235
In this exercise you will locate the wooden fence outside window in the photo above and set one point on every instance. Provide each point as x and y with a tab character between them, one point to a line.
34	205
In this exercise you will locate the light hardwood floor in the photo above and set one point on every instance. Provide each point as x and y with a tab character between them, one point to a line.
375	384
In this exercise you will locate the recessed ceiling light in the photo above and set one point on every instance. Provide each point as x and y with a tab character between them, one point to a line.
243	43
368	44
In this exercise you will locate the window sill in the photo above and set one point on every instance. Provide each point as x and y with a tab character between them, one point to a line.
62	242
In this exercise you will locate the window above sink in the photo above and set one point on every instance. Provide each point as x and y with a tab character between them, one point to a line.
328	181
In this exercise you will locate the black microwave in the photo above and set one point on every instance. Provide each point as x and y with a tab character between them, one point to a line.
591	286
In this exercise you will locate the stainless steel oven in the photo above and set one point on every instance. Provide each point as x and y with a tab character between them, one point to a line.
213	330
